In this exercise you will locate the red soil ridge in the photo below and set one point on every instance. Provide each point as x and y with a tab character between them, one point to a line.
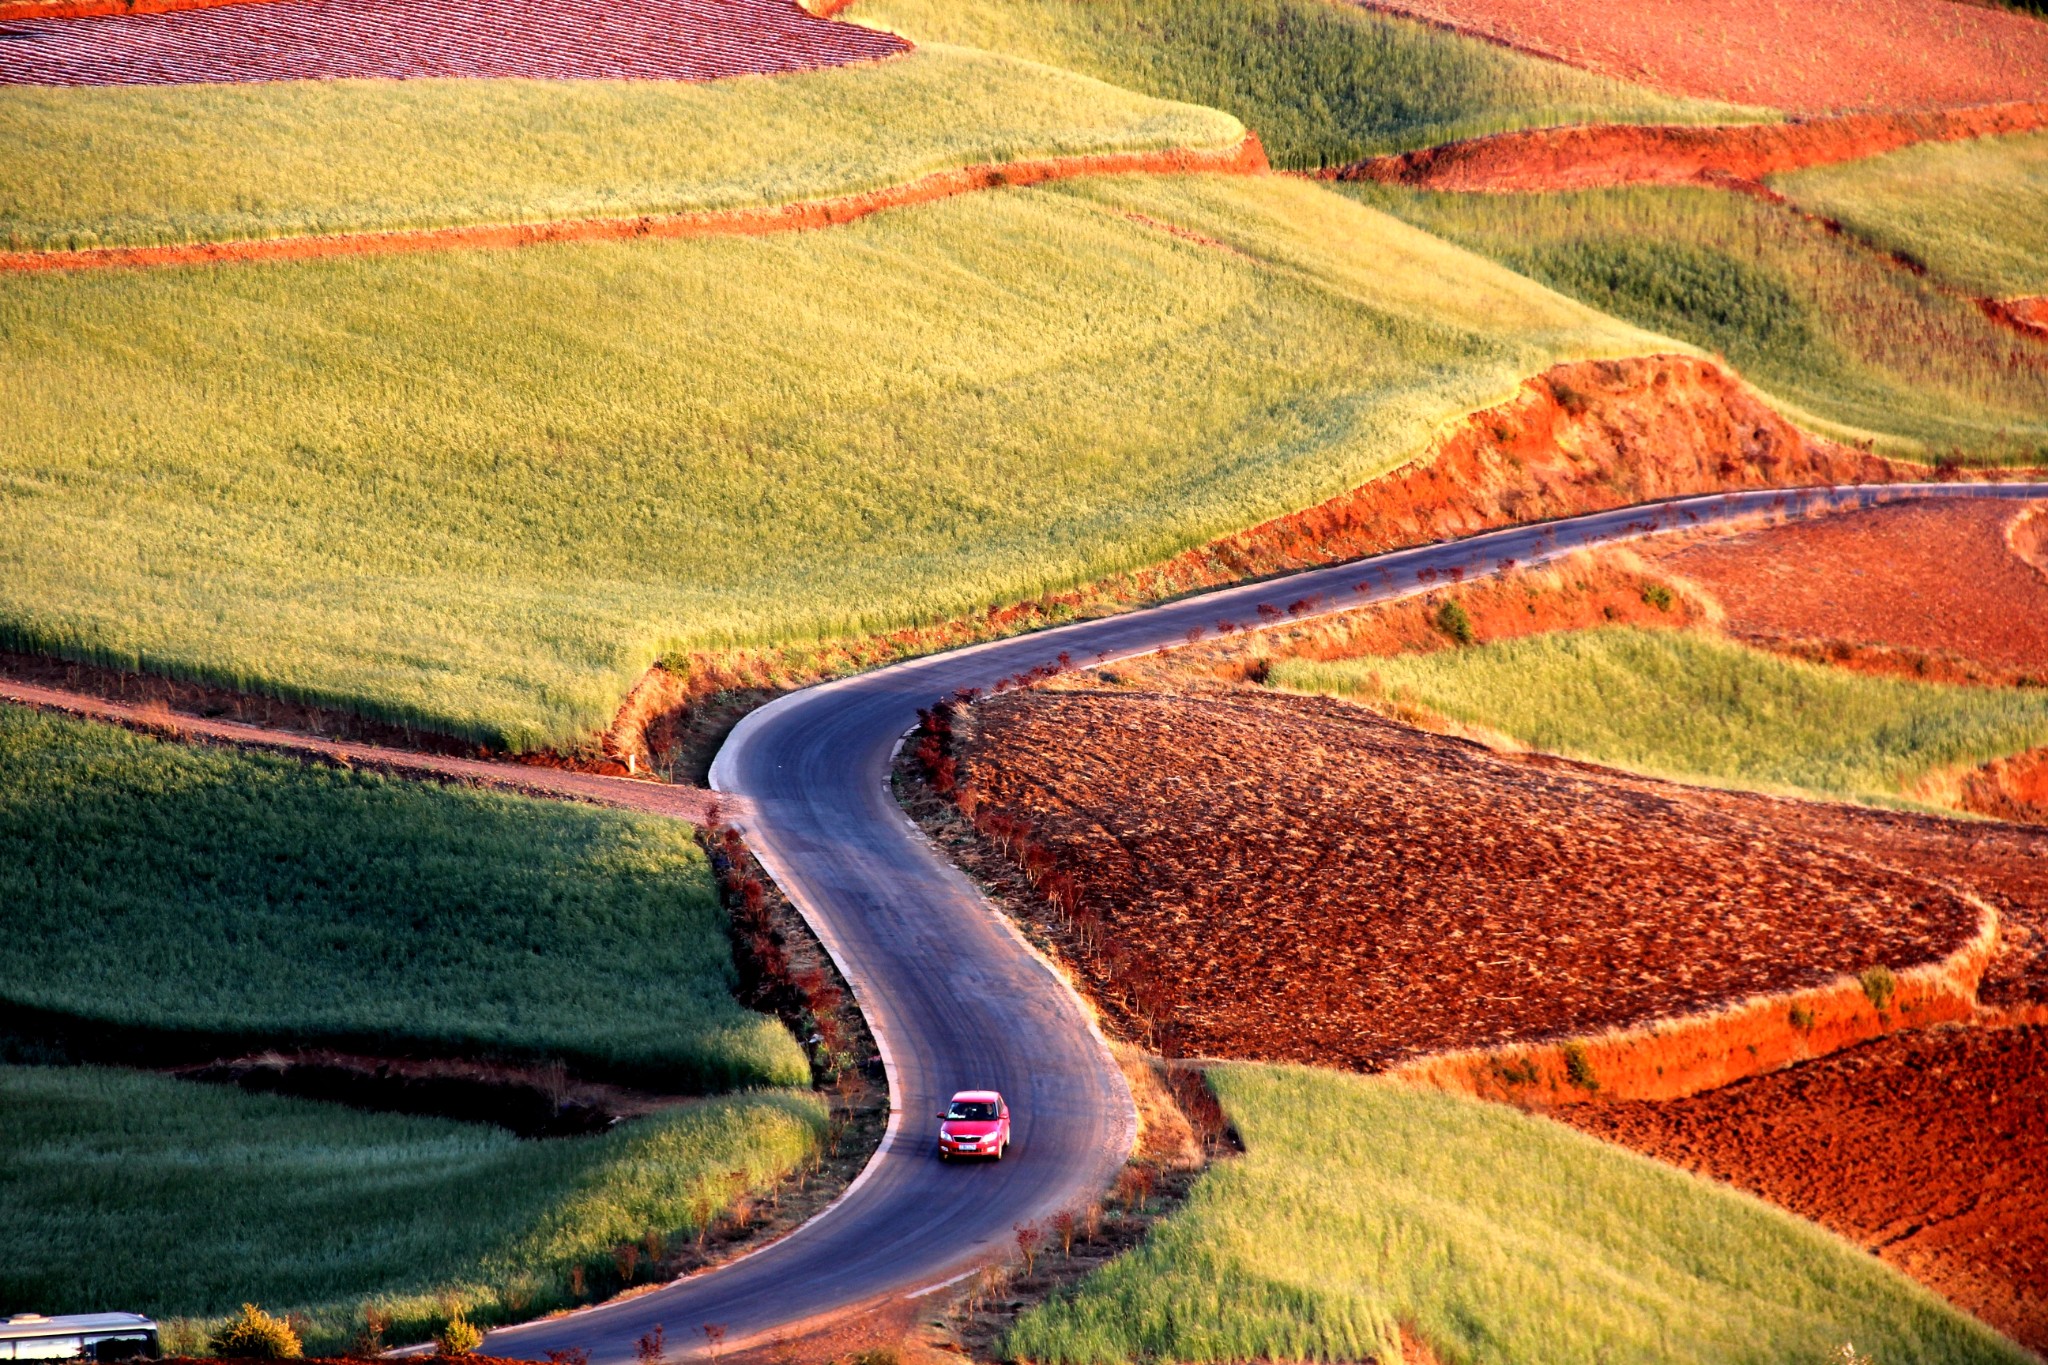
1815	56
1605	155
666	40
93	9
1930	1149
1246	158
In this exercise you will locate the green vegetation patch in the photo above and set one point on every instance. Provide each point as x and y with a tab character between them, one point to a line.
1360	1205
1322	84
1974	212
170	888
153	164
1857	347
1693	706
483	490
184	1200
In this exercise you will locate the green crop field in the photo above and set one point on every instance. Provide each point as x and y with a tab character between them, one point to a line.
162	887
183	1201
483	490
1692	706
143	164
1322	84
1853	346
1974	212
1360	1204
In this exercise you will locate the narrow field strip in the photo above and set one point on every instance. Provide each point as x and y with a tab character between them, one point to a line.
1245	158
1597	156
663	40
14	10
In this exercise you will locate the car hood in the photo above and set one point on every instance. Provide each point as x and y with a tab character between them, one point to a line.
960	1128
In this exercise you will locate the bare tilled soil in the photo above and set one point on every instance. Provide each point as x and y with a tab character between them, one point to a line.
1296	879
1951	590
1812	57
1929	1148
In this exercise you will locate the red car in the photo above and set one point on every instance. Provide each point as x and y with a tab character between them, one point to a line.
976	1123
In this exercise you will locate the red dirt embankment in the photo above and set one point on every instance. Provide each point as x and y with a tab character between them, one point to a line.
1247	157
1930	1149
1296	879
1815	56
1943	590
1601	155
92	9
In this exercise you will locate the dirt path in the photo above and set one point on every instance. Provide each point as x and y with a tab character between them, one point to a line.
694	804
1247	157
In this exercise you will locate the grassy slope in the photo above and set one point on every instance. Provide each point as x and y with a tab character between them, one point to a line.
1321	83
177	1199
1975	212
156	885
1866	349
486	489
1690	706
1499	1236
213	162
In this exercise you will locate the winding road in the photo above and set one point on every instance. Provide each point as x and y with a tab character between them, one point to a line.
954	996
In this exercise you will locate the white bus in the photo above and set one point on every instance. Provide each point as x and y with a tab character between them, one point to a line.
84	1336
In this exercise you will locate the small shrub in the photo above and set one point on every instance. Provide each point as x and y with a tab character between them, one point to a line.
1880	985
1659	596
1578	1067
1802	1019
460	1337
1452	621
256	1335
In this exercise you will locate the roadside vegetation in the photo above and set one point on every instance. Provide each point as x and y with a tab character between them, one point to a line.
1974	212
1322	84
164	164
184	1201
481	491
1361	1207
1855	347
165	889
1690	706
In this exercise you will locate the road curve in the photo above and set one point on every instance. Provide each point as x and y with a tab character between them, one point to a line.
954	997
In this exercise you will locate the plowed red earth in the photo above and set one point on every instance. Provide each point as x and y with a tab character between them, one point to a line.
1913	587
1813	56
1930	1149
668	40
1296	879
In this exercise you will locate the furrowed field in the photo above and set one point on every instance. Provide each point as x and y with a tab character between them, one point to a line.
1690	706
1361	1206
184	1201
169	889
1859	348
152	164
1974	212
483	490
1324	84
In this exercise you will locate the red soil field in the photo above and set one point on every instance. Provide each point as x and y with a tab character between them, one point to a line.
1810	57
1952	589
676	40
1597	155
1295	879
1929	1148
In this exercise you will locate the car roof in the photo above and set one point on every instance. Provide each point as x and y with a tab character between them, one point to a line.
970	1096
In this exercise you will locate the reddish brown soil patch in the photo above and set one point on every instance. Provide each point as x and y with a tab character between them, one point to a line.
1929	1148
89	9
1295	879
656	40
1590	157
1245	158
2013	788
1927	589
1811	57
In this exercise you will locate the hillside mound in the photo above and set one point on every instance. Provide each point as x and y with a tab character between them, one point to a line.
1930	1149
661	40
1814	57
1284	878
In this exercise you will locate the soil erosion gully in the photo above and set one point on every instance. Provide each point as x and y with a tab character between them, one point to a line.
955	997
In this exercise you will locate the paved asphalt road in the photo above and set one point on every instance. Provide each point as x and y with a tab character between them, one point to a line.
954	997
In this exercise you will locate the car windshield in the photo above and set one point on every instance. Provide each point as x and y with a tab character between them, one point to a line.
972	1111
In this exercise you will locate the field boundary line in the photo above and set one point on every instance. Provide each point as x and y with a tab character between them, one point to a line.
22	10
1246	157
